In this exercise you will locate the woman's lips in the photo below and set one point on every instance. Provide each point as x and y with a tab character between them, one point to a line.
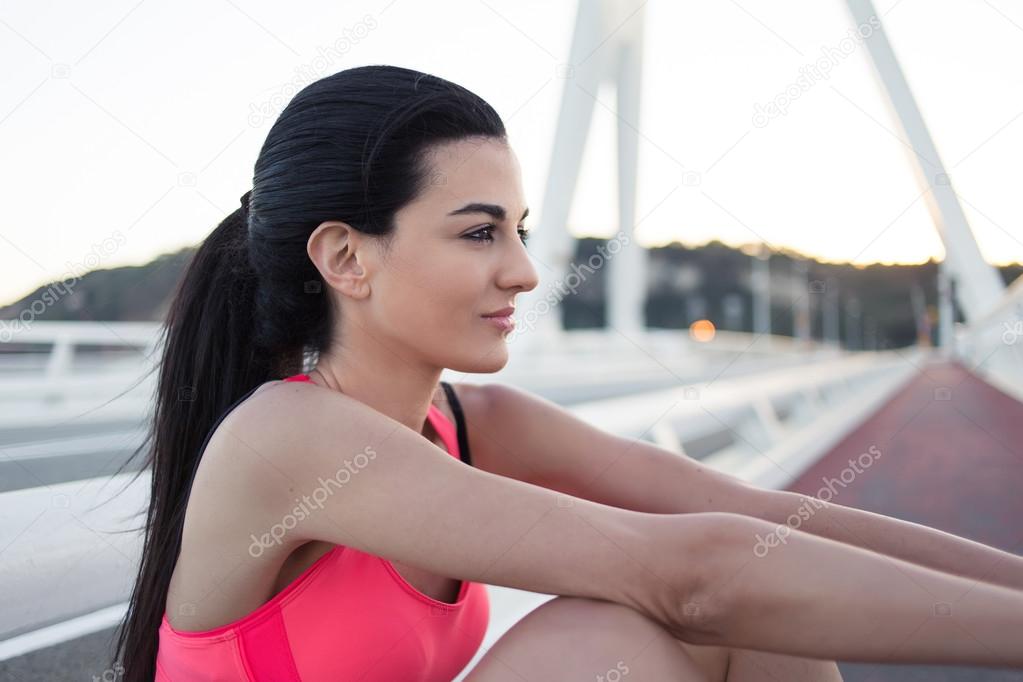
502	322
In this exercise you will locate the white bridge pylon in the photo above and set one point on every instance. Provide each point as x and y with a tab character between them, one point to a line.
979	287
607	46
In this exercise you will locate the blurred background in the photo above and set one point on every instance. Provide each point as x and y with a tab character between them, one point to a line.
771	236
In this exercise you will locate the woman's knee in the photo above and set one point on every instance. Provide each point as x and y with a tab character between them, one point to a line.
589	639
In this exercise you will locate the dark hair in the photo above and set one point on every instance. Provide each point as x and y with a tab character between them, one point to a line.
252	307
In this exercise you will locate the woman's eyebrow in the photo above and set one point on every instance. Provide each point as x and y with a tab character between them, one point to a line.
493	210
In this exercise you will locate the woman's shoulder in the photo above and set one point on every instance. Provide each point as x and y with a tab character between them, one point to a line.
261	442
255	449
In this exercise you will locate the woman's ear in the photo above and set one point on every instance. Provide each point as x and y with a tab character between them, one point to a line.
339	252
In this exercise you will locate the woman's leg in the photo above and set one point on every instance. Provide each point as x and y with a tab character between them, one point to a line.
588	639
713	660
746	665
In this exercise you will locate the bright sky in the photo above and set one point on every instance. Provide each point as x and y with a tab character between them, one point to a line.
130	129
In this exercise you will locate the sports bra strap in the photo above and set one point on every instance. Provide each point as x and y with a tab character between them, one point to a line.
456	407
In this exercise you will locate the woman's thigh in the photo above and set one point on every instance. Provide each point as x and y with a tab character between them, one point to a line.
752	666
747	665
588	639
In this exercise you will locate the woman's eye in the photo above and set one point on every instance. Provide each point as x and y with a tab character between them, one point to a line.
487	236
486	230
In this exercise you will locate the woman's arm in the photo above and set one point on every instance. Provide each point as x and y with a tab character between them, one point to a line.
820	598
531	438
902	539
399	496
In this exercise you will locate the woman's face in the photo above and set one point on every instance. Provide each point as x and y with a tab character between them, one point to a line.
451	262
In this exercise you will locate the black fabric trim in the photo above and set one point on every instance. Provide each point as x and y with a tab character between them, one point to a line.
209	435
182	504
463	438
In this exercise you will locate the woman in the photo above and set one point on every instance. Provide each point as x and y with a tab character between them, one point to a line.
324	526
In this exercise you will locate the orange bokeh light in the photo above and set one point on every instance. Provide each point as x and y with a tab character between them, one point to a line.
702	330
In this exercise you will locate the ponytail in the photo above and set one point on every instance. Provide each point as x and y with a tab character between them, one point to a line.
209	361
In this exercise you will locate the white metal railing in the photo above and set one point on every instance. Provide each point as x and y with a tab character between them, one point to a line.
993	345
65	379
736	423
57	372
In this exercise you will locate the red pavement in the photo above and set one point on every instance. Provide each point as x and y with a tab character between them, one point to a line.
947	453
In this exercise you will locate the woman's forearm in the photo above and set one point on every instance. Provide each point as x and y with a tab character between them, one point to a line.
902	539
819	598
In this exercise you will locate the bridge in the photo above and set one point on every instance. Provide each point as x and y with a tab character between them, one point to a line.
778	411
773	411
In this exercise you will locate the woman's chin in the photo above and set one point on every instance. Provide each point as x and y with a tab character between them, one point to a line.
492	360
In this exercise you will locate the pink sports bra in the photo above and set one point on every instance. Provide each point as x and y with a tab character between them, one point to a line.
349	616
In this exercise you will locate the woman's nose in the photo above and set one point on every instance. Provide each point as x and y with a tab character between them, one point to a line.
519	272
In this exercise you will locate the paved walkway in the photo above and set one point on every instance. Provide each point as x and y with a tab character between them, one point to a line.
951	458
